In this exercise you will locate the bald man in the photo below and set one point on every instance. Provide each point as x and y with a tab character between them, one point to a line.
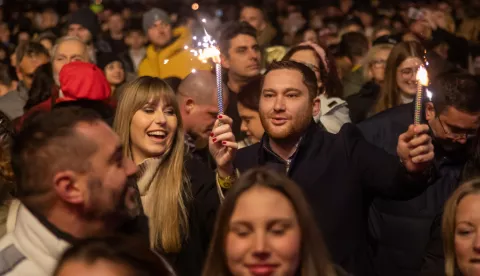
197	98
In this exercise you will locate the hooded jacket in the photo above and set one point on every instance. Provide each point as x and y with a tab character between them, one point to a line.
339	175
173	60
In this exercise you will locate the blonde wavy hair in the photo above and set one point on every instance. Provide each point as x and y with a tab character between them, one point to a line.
449	222
170	188
367	61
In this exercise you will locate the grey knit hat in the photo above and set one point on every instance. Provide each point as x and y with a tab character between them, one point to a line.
152	16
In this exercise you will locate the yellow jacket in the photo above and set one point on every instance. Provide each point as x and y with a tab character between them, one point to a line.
172	61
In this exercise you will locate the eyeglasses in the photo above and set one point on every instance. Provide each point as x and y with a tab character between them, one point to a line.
407	73
378	63
469	134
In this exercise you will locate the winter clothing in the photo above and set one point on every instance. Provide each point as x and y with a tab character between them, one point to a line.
105	59
266	36
353	82
458	47
400	230
86	18
339	175
362	103
333	114
173	60
30	247
13	102
201	212
91	85
152	16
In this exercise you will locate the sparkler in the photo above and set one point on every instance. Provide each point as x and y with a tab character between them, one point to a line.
208	50
422	80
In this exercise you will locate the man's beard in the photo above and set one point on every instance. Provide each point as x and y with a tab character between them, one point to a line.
97	208
291	134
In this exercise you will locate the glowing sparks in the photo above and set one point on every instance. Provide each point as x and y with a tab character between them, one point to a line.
195	6
185	47
422	76
165	61
204	20
194	71
429	94
207	49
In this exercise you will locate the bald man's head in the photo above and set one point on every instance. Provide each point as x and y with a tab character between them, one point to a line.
197	98
201	87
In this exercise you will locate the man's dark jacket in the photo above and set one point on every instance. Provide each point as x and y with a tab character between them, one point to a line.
339	175
400	230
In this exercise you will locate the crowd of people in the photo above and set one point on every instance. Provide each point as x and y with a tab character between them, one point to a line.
116	157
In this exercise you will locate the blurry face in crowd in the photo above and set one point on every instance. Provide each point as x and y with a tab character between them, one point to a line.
308	58
285	105
264	235
377	65
202	117
103	188
80	32
381	33
152	130
352	28
251	124
452	126
23	37
160	34
116	23
27	68
476	65
114	73
254	17
421	29
467	235
68	51
135	40
98	268
4	33
310	35
406	76
243	56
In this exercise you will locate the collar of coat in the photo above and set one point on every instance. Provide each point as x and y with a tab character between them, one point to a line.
266	154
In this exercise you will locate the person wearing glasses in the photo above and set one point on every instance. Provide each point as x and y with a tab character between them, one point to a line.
361	103
400	84
400	231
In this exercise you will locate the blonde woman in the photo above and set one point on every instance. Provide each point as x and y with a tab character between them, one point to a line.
362	103
460	229
178	193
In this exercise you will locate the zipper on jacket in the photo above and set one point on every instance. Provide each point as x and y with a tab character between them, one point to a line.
287	163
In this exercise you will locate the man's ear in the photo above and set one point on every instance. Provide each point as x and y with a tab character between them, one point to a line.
189	105
19	73
316	106
429	111
224	61
68	187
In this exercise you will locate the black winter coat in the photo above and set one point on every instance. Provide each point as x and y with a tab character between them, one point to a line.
362	103
202	212
400	230
339	175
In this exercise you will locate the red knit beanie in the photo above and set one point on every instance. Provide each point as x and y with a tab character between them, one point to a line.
81	80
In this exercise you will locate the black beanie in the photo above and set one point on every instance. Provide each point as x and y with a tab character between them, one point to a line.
103	59
87	19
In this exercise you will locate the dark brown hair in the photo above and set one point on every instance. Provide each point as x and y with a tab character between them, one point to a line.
130	252
30	49
47	143
309	77
315	259
249	95
332	85
232	30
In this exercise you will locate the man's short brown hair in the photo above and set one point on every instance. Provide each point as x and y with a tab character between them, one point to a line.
30	49
48	143
309	77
